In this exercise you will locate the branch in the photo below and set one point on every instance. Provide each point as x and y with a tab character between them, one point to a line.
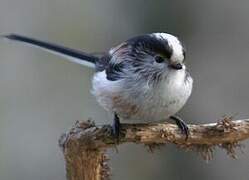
86	140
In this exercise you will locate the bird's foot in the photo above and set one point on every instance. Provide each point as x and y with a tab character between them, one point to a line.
182	125
116	127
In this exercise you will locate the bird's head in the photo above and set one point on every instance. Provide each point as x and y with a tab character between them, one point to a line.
148	56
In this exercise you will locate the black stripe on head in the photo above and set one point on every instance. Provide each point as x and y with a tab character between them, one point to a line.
151	44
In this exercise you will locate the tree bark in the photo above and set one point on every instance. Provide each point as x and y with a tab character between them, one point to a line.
85	144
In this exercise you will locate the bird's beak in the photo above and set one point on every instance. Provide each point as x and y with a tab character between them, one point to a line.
176	66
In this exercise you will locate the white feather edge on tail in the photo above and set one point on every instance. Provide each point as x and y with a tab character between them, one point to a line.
69	58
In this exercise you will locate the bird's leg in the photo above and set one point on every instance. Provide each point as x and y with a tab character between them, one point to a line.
116	127
181	124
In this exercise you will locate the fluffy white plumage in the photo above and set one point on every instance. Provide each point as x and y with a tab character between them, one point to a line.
150	104
135	99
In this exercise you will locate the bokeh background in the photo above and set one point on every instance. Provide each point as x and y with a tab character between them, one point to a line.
42	95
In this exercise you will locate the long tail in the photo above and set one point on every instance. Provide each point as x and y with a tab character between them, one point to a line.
72	55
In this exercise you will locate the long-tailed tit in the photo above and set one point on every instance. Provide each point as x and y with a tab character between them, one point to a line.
143	79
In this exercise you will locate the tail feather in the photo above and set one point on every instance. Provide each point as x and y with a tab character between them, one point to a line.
72	55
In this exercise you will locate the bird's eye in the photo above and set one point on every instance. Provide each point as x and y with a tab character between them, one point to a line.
159	59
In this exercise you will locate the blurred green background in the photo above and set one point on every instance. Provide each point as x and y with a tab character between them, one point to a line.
42	95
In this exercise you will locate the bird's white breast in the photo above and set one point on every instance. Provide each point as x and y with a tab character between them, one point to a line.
141	102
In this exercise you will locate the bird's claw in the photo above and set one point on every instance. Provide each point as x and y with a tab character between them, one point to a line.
116	126
182	125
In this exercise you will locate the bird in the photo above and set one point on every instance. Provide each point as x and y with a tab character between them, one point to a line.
142	80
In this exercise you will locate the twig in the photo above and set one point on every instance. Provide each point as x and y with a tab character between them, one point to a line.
84	145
